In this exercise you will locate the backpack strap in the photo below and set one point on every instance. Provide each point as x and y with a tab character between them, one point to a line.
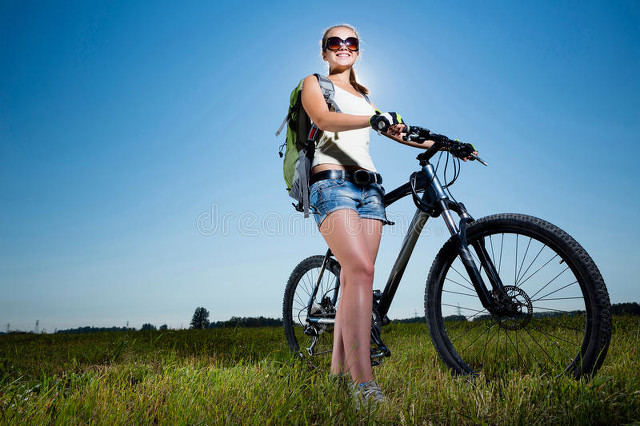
328	91
308	154
286	119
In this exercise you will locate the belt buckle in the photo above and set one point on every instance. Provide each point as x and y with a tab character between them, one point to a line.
363	177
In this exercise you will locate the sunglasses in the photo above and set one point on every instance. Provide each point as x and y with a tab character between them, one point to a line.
335	43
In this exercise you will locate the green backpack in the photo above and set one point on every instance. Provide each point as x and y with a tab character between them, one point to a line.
300	144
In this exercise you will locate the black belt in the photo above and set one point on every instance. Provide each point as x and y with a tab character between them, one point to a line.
360	177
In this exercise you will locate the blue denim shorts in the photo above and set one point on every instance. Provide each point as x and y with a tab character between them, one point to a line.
329	195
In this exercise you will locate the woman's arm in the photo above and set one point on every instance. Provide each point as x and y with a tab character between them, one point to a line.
317	109
425	145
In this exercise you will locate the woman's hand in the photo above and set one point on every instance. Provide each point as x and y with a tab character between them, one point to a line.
390	123
385	121
463	151
470	157
398	130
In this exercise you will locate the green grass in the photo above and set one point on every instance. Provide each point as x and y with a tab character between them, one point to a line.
247	376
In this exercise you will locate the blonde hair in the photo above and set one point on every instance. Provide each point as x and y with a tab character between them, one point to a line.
352	74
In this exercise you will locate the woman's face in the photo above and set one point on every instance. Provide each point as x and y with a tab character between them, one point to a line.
342	58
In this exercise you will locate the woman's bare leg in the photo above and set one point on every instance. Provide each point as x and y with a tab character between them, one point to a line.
354	242
338	360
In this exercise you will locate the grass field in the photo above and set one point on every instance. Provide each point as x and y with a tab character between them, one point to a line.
247	376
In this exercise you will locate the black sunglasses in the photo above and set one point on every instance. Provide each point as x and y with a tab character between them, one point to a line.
335	43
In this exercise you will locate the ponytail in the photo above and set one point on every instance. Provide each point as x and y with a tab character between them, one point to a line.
359	87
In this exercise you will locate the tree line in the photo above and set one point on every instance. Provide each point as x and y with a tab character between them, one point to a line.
200	320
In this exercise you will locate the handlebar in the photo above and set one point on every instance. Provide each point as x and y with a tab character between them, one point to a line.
456	148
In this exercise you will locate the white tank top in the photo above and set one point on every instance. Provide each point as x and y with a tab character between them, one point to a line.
349	147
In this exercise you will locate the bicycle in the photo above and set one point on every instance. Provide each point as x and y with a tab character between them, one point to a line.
505	292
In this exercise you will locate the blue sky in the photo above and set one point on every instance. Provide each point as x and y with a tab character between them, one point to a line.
139	172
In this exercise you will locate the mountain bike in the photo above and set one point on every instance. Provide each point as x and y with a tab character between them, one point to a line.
506	292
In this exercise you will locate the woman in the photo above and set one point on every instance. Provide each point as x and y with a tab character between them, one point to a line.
350	215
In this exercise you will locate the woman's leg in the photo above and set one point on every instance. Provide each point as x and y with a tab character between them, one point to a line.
354	242
338	360
372	229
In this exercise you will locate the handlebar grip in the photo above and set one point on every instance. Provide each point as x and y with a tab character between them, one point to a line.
478	159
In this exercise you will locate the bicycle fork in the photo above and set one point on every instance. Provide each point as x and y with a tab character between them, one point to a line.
495	301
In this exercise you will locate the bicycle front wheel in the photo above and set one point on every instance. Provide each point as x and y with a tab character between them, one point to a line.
309	307
563	323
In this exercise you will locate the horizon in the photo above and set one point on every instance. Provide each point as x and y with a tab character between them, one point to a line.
157	327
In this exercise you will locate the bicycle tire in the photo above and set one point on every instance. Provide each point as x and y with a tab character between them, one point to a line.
564	323
296	301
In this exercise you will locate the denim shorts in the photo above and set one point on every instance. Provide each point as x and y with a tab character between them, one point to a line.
329	195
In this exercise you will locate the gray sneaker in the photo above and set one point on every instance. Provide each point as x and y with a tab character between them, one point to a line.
367	393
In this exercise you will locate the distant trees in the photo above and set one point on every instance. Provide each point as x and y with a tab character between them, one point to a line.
81	330
625	308
455	318
200	319
411	320
248	322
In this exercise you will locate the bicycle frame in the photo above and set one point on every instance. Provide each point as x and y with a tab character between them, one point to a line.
439	204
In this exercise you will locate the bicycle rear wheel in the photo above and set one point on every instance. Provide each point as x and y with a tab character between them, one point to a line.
563	324
303	312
